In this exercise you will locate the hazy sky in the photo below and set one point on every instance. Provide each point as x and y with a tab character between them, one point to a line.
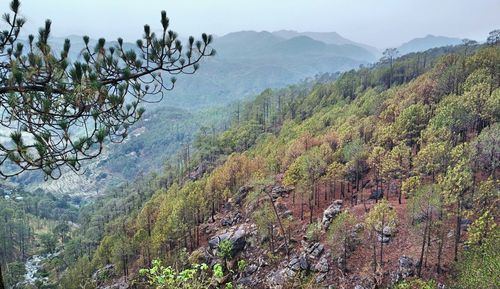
381	23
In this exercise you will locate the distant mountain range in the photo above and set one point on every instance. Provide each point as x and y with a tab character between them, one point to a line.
427	42
326	37
248	62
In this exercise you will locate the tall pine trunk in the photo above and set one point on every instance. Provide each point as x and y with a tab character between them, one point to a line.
458	230
1	278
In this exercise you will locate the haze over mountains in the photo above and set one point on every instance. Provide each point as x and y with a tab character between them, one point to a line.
248	62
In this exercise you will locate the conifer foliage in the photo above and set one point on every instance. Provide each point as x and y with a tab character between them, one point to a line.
59	111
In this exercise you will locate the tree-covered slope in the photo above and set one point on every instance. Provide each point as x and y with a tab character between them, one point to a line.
410	153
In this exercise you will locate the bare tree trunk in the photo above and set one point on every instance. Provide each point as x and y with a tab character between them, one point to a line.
1	278
400	192
311	207
440	252
429	231
382	242
458	231
327	190
422	250
302	207
280	224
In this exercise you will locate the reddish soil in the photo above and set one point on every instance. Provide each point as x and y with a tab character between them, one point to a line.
407	240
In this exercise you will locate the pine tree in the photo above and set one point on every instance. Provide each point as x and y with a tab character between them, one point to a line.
380	216
49	98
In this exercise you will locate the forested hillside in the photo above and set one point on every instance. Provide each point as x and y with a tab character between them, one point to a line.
386	176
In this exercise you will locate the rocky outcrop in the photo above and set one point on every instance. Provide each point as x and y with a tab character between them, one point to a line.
330	213
386	234
406	269
197	173
103	275
280	191
232	219
242	194
314	250
322	266
278	278
299	263
237	235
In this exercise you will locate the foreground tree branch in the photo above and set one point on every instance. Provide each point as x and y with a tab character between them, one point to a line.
58	111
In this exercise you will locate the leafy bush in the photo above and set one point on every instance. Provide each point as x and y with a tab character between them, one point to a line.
161	277
225	249
416	284
313	232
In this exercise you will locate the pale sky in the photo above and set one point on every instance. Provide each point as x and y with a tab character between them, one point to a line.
381	23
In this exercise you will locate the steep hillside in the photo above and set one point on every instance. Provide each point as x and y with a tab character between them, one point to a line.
247	63
377	179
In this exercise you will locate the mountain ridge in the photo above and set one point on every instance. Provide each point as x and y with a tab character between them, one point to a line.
429	41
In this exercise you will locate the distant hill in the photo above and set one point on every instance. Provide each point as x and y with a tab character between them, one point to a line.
427	42
326	37
248	62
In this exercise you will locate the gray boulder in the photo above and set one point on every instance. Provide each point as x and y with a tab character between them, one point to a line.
386	235
315	250
406	266
277	278
298	263
304	264
280	191
232	219
322	266
237	236
406	269
104	274
330	213
294	264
